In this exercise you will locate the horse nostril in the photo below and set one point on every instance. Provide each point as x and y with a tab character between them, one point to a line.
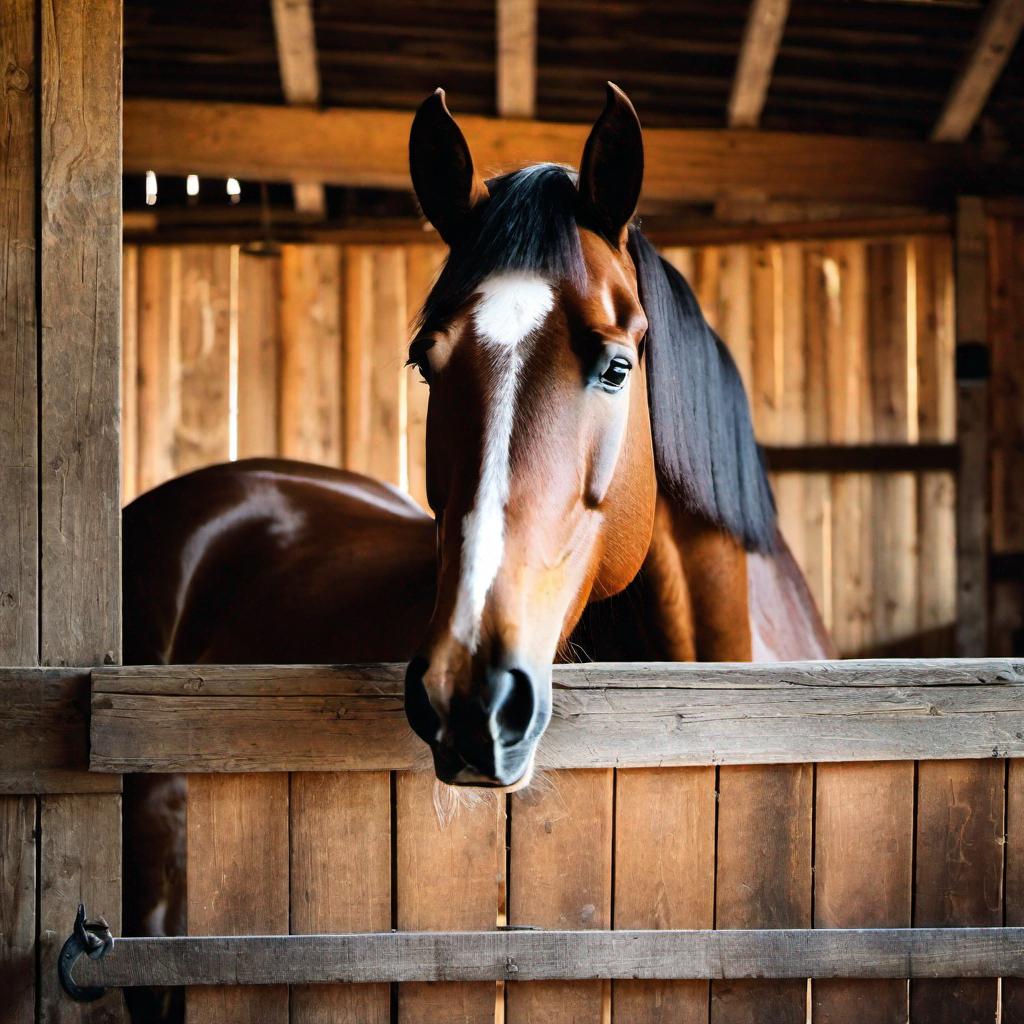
515	713
418	709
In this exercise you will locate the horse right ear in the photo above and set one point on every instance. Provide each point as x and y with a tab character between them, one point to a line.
442	172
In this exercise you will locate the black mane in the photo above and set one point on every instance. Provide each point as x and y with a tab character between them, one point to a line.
706	456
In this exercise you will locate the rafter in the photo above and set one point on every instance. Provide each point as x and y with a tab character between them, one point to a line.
998	32
517	58
300	79
760	46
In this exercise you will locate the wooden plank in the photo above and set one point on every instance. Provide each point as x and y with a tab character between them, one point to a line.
80	150
18	906
560	876
79	862
863	868
259	342
959	875
997	35
44	733
129	373
762	35
664	878
311	386
19	528
295	35
201	433
734	322
340	881
449	873
972	512
237	846
517	58
766	342
763	878
1013	911
369	148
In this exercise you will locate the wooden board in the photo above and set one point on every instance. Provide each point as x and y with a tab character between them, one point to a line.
80	512
291	718
560	876
763	879
79	862
863	866
959	875
19	528
259	343
449	873
664	878
18	906
1013	988
129	373
238	848
340	850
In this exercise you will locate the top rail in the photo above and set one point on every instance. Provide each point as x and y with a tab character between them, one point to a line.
351	717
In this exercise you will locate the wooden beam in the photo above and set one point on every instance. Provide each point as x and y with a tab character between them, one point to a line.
517	58
997	35
300	79
351	718
559	955
369	148
862	458
761	38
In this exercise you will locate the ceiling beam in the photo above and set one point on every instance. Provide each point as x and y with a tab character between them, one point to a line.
369	148
997	34
300	79
517	58
761	38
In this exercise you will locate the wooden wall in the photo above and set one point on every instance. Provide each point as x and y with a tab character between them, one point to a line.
849	342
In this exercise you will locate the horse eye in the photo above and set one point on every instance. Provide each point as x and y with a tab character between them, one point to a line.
424	368
615	374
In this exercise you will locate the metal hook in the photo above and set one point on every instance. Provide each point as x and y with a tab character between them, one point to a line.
92	938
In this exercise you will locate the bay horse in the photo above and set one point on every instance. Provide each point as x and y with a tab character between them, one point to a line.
596	485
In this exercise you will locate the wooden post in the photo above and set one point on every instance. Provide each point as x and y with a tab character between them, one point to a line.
972	372
60	320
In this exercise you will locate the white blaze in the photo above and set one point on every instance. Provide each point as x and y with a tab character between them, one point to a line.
510	307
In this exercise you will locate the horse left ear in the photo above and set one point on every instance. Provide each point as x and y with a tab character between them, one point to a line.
612	169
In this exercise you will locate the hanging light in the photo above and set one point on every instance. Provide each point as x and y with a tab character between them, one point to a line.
234	190
192	185
150	188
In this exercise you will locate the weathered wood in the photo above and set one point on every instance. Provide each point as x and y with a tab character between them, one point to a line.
560	876
19	526
18	905
863	866
1013	888
340	849
79	862
212	719
259	345
449	873
44	733
129	373
557	955
758	50
959	875
369	148
517	58
972	526
997	35
664	878
238	882
80	332
763	878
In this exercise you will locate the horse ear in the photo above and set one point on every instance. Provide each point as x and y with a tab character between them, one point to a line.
441	166
612	169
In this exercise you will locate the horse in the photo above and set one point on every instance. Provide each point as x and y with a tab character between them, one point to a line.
596	487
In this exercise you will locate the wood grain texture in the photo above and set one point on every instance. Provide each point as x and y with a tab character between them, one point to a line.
80	148
758	50
238	847
863	867
369	148
449	872
19	528
959	875
560	876
18	906
259	344
79	862
664	878
129	373
516	58
340	881
763	878
1013	899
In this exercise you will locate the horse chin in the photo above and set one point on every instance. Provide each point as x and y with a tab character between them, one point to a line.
467	778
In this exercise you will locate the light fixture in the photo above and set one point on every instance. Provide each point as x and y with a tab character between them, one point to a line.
150	188
234	190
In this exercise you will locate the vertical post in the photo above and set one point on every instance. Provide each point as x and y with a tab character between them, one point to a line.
972	373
